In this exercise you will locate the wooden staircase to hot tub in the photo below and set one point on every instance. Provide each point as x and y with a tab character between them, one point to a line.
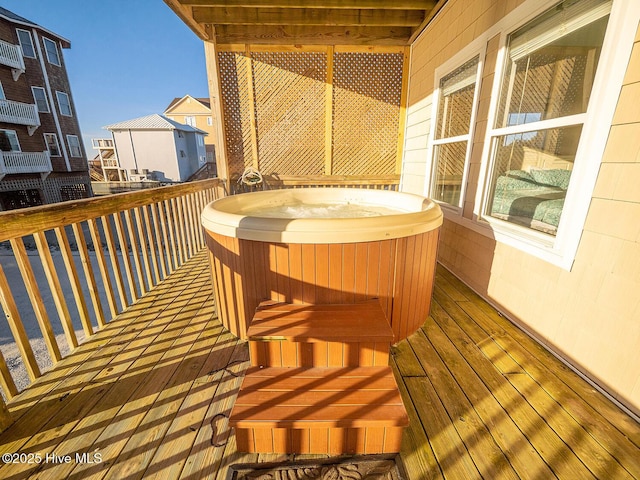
319	382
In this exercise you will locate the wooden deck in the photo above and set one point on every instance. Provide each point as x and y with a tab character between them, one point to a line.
148	397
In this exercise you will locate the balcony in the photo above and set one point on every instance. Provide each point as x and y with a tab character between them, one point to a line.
144	376
20	113
99	143
11	56
24	162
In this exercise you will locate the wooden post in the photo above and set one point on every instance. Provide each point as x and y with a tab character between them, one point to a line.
328	129
402	115
215	97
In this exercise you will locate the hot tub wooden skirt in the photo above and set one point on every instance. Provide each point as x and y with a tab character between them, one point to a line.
398	272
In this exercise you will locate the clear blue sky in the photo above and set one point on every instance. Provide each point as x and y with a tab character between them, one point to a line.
128	58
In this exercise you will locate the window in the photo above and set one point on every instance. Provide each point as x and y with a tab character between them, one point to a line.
26	43
9	141
40	96
64	103
2	95
209	121
191	121
51	50
451	143
51	139
545	89
200	140
74	146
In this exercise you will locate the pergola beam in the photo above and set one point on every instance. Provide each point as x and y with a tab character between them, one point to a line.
342	4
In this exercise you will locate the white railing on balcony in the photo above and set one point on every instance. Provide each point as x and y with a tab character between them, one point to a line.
110	163
20	113
24	162
11	56
102	143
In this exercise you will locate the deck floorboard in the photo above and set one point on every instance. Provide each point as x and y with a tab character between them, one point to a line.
149	396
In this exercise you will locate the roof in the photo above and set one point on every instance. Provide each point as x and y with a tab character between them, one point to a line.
153	122
204	101
15	18
307	22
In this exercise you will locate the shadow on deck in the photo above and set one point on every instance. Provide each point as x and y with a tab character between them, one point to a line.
148	397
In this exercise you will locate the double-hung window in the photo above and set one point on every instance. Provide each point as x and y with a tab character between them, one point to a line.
74	145
64	103
9	141
451	142
40	96
51	50
190	120
26	43
51	139
545	90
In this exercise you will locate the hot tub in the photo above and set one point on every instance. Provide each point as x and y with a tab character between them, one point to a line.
352	245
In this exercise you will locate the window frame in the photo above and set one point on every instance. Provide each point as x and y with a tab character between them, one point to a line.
58	94
71	147
55	136
15	134
442	71
190	120
31	44
46	100
615	55
47	52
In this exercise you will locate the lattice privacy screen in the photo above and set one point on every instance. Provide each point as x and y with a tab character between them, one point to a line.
306	113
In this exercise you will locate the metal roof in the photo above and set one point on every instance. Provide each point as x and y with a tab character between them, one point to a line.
152	122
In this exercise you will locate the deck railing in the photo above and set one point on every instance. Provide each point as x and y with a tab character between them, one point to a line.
19	113
272	182
93	258
24	162
11	56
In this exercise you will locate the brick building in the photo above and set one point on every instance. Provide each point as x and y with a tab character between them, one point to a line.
42	157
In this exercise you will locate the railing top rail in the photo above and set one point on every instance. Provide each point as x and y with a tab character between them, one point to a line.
27	221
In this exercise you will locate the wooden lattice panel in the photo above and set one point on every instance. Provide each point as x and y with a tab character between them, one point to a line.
235	85
367	89
289	89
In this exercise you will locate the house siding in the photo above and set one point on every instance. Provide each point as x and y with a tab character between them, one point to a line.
588	314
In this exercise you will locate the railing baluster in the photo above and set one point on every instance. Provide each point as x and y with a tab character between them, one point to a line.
74	280
56	289
88	273
17	328
178	224
188	207
152	246
124	249
134	250
29	278
143	247
115	264
167	233
159	245
6	380
102	266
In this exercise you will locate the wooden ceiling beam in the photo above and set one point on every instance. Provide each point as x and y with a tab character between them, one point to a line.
186	15
307	16
343	4
312	35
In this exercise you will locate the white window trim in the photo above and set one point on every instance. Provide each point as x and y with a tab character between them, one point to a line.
58	93
57	144
16	135
70	146
55	45
472	50
616	52
44	92
33	47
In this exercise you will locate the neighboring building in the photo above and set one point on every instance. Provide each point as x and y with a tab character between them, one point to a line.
156	148
197	113
42	158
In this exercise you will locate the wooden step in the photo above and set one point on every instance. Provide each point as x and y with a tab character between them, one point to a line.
356	322
289	335
319	410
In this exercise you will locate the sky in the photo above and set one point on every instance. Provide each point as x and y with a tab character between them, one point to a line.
128	58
